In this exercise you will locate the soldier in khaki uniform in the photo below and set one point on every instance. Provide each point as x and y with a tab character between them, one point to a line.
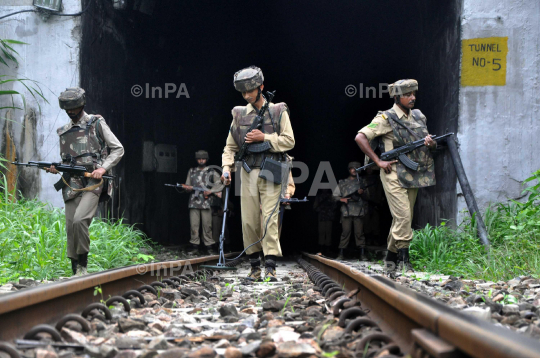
325	206
353	209
200	212
393	128
86	141
257	192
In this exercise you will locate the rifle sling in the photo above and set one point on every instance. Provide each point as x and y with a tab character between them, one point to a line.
393	118
88	188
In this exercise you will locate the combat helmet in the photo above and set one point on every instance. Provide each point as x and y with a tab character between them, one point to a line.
73	97
248	79
201	154
354	165
402	87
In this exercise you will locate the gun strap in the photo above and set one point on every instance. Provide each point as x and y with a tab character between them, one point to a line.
88	188
392	117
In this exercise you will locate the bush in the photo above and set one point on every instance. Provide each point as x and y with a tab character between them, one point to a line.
514	231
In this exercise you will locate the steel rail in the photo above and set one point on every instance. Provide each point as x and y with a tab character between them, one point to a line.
22	310
421	325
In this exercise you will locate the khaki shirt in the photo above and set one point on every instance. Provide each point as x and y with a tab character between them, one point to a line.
117	150
380	126
281	142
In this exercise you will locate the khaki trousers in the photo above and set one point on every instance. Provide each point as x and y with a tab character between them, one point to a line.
347	224
196	216
401	202
258	195
79	214
325	233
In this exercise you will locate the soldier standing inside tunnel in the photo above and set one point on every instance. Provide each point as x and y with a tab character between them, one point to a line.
353	209
396	127
85	141
200	212
258	193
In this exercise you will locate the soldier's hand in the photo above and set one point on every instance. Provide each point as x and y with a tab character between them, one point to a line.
344	200
286	196
207	193
386	166
187	187
430	143
226	181
360	191
255	136
98	173
51	170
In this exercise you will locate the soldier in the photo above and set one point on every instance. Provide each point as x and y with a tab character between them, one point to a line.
256	191
353	209
325	206
396	127
200	212
84	141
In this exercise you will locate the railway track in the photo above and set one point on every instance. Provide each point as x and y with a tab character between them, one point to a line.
175	310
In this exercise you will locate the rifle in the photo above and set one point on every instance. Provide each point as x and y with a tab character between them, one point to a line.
198	190
67	170
400	153
247	148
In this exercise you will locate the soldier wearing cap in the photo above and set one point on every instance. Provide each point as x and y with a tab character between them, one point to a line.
256	192
353	209
88	141
200	211
390	129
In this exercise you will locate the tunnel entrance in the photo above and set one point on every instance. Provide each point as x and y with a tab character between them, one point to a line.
328	61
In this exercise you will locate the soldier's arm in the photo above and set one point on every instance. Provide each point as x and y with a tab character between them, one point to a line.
283	141
291	188
117	149
378	127
227	158
188	179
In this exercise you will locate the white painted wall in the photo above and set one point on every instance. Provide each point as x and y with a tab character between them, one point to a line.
499	126
51	58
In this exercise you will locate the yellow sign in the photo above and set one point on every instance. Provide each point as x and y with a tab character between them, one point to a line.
483	61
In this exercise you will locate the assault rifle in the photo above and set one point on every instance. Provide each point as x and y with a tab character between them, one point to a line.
400	153
67	170
255	147
198	190
292	200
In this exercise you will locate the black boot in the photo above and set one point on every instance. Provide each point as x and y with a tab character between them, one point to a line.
363	256
212	249
74	264
403	261
391	260
255	261
83	262
340	256
270	268
192	249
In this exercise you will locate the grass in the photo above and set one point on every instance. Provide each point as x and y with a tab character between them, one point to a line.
33	241
514	231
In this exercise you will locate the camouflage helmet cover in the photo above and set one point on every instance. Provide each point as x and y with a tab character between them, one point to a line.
73	97
201	154
354	165
402	87
248	79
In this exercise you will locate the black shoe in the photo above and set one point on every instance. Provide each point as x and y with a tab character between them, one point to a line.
340	256
192	249
83	260
255	274
74	264
391	260
403	261
270	275
363	256
212	250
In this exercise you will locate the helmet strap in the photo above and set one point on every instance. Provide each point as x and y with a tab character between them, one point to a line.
258	95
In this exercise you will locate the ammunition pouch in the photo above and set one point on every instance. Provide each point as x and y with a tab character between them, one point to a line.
272	170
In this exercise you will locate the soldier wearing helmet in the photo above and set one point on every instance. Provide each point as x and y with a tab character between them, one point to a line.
395	127
353	209
87	141
200	211
256	192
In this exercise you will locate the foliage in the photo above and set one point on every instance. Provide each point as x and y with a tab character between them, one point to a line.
33	241
514	231
9	54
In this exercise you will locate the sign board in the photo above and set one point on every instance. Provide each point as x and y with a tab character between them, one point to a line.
483	61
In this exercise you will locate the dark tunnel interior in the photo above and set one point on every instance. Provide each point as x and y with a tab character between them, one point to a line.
309	51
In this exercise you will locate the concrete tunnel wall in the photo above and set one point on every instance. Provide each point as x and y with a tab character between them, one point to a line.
52	59
499	126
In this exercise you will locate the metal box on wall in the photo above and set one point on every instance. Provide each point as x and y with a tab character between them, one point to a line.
159	157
